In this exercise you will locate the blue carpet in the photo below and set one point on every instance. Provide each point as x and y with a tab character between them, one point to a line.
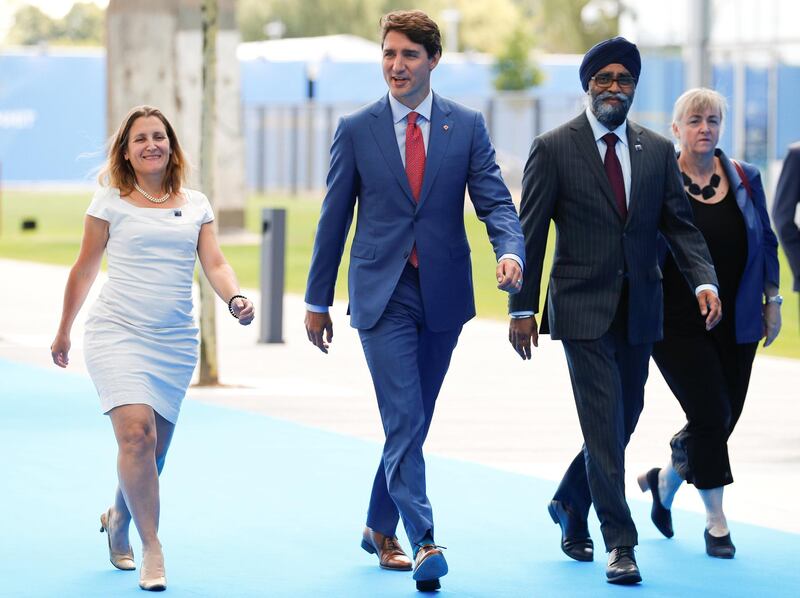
253	506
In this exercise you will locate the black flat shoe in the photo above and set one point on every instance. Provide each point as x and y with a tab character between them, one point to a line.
721	548
622	568
662	517
575	540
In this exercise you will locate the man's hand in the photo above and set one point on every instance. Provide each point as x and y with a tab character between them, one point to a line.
710	307
772	322
316	324
509	276
522	332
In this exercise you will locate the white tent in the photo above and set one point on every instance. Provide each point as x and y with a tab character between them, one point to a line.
334	48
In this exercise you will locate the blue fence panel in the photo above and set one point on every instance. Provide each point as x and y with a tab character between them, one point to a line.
722	78
756	121
660	84
52	116
53	108
788	94
266	82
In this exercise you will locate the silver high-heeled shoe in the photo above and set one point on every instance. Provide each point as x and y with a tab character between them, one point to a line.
152	576
121	560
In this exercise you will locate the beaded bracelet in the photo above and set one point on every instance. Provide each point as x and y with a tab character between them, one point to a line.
230	304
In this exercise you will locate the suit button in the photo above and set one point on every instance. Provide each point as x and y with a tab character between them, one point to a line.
620	272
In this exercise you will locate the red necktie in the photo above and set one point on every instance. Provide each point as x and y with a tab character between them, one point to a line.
415	166
614	173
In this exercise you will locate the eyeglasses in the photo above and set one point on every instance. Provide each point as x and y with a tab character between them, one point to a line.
605	80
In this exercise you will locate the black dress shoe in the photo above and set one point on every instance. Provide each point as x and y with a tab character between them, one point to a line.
622	568
661	516
575	540
721	548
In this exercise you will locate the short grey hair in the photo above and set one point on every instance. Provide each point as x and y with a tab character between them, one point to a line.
697	100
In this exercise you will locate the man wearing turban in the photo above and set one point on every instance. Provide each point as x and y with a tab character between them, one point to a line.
610	186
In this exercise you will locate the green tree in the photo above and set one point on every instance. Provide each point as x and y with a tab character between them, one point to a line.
480	21
572	26
482	25
82	25
515	71
306	18
31	26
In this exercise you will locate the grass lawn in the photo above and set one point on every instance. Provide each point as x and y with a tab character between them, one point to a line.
59	219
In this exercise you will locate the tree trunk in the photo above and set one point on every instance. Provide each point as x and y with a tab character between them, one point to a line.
209	374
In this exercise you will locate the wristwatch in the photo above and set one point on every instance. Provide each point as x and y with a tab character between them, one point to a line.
776	299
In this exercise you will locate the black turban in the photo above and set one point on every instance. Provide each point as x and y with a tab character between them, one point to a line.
617	50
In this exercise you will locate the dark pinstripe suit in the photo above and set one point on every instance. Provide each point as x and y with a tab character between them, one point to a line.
604	299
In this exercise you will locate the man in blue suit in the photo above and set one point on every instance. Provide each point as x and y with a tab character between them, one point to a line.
408	159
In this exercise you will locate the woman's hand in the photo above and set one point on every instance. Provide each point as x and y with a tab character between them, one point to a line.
771	313
244	310
60	350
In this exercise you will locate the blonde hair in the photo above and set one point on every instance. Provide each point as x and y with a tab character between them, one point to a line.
118	172
698	100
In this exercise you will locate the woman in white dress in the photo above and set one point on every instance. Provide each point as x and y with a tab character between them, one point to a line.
141	341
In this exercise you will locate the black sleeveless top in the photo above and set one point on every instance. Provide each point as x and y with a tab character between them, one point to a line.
722	225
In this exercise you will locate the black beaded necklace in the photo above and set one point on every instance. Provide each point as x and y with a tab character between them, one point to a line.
706	192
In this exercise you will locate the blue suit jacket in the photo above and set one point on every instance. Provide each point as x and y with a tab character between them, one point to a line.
761	267
366	165
787	197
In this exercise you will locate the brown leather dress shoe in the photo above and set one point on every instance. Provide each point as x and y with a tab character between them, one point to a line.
390	554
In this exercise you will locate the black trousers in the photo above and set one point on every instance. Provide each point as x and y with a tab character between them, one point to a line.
608	377
709	373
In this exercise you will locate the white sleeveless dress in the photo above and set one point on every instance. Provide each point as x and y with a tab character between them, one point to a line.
141	342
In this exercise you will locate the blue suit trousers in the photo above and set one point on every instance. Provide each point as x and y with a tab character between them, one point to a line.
408	363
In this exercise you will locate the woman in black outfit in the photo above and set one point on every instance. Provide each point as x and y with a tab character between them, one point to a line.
709	371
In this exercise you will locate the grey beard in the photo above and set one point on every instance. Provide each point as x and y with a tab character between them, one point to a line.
611	116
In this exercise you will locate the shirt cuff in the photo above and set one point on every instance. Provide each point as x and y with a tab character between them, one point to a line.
317	309
518	315
706	287
511	256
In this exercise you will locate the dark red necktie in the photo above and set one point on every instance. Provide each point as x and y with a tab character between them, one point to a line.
415	166
614	173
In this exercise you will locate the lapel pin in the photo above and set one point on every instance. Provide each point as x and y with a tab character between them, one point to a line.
445	127
638	147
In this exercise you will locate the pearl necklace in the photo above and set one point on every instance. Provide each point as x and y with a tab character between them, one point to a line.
149	197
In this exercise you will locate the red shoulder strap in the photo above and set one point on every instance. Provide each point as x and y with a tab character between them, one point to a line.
743	176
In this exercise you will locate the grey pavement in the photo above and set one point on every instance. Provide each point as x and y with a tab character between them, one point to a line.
494	409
